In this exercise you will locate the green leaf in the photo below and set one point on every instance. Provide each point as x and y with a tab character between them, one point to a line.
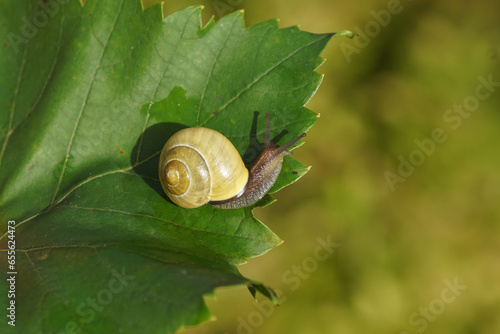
89	95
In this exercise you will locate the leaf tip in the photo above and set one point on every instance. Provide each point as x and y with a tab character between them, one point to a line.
345	33
265	291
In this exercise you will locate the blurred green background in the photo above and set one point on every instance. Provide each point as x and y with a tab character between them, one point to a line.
421	255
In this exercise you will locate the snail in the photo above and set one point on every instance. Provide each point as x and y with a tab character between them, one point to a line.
199	166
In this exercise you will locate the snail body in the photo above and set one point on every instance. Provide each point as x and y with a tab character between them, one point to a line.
199	166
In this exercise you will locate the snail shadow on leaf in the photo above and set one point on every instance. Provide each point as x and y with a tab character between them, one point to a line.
255	147
146	152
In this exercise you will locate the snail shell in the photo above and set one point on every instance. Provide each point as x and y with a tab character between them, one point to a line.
199	165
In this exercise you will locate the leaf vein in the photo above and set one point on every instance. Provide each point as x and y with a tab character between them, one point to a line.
258	47
153	97
211	72
257	79
49	76
84	104
14	103
124	171
133	214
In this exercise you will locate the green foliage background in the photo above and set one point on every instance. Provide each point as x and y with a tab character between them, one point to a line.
397	248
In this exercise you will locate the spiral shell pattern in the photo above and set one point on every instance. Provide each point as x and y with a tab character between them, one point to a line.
199	165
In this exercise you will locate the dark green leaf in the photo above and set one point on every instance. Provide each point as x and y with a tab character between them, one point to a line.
89	96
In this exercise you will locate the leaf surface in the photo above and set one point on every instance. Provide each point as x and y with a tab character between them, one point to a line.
88	98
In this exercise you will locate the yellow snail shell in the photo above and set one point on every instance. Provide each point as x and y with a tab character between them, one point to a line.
200	165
